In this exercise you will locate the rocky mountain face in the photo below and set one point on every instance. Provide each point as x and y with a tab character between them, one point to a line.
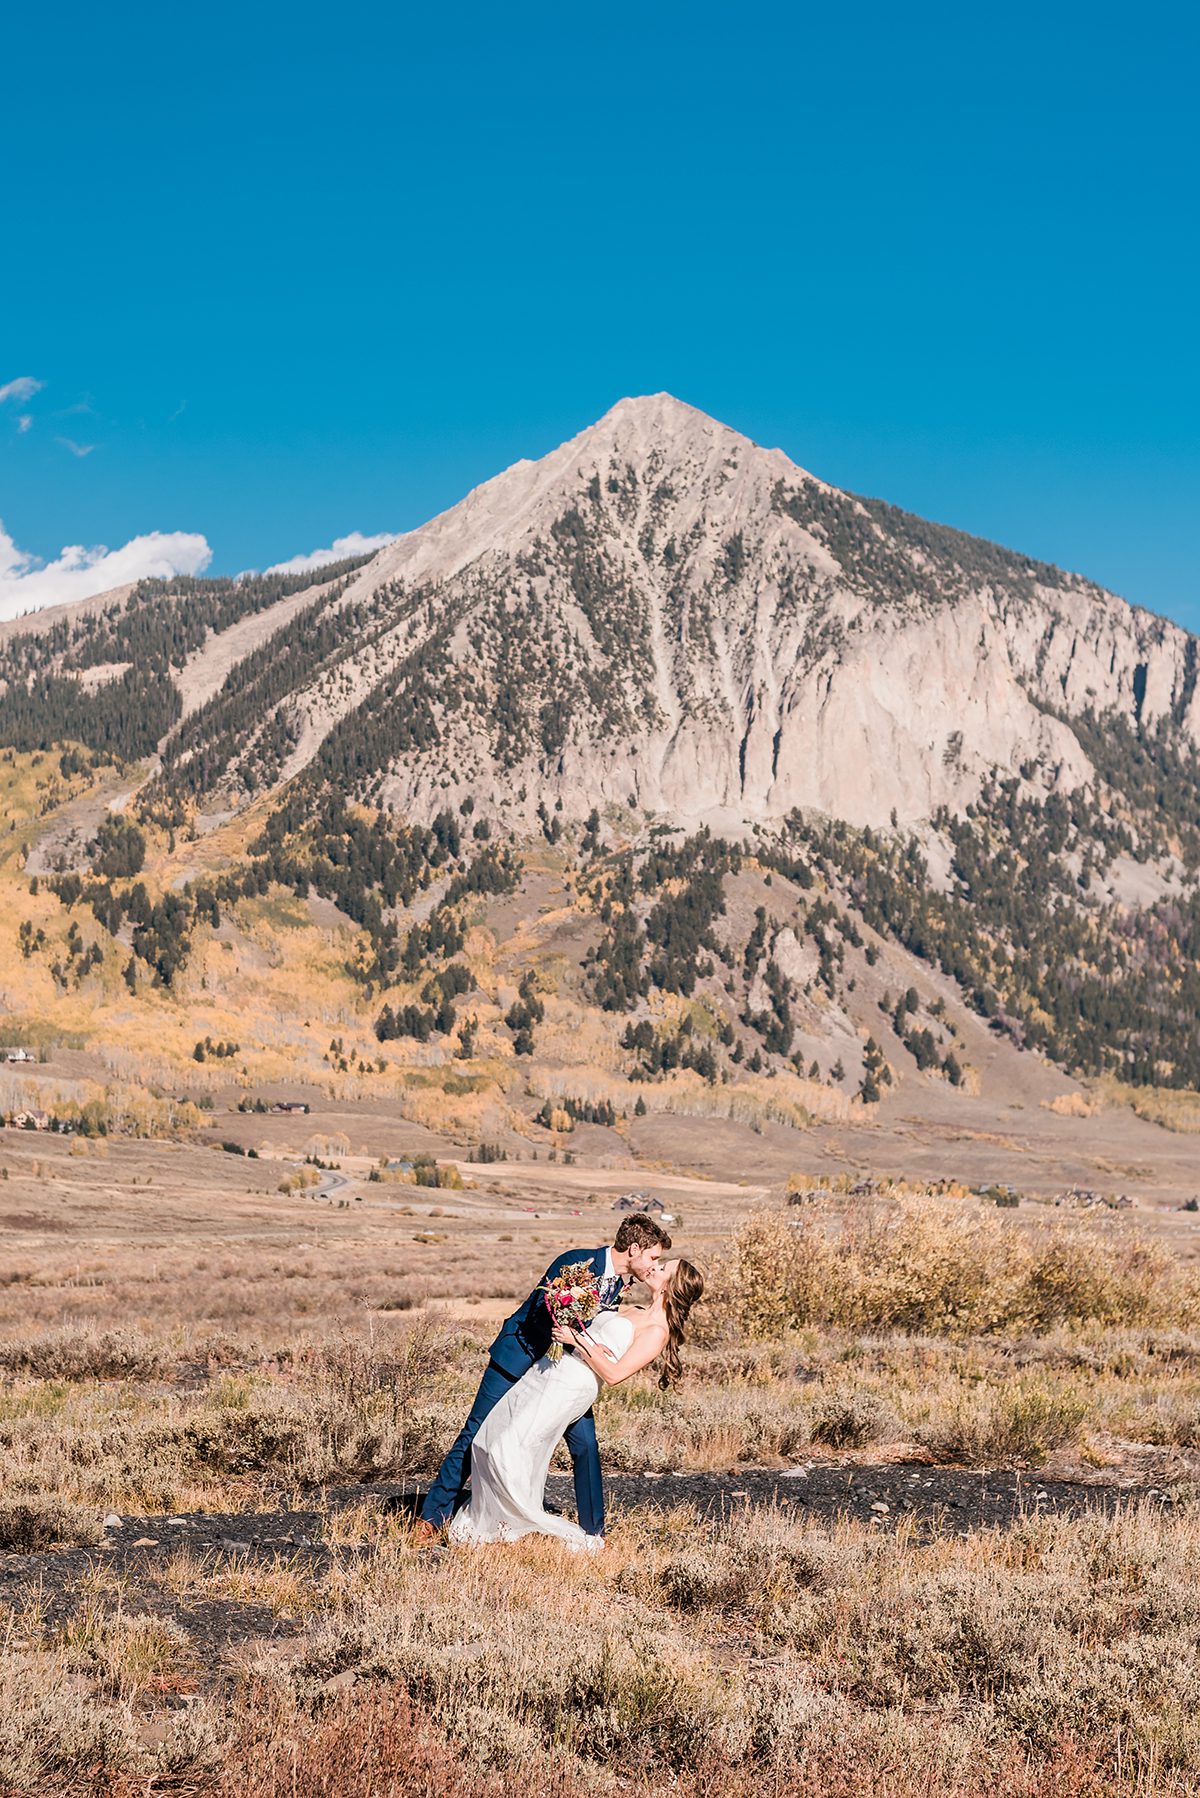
662	617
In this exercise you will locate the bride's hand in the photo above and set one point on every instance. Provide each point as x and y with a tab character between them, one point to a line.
566	1335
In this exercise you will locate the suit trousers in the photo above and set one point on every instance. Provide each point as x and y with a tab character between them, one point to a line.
448	1490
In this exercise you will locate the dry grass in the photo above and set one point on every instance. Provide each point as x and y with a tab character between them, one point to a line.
760	1653
764	1652
344	1408
75	1354
379	1746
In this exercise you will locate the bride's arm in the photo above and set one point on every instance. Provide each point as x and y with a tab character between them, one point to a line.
646	1345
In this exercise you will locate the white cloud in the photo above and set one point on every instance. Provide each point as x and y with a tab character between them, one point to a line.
76	449
24	422
340	550
26	584
23	388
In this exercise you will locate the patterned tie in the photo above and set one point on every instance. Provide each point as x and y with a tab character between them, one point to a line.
610	1291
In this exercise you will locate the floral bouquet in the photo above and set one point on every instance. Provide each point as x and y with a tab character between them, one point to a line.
572	1297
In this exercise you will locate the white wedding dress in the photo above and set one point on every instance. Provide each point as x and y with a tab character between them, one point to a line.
510	1457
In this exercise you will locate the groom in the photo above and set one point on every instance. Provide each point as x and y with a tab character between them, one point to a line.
524	1338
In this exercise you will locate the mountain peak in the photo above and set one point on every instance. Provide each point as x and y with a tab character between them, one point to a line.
653	432
658	412
657	426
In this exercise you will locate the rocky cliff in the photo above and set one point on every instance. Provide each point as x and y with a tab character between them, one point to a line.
664	616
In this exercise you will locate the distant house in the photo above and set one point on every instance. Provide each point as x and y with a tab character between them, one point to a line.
19	1055
291	1106
639	1201
30	1120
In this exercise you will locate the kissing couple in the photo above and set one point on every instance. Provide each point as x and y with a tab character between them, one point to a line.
527	1400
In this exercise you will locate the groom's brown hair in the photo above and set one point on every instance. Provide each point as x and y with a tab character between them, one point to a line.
640	1232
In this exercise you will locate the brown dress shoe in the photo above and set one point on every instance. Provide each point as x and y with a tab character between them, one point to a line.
424	1533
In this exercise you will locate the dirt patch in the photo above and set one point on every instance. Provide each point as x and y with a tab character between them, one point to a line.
942	1500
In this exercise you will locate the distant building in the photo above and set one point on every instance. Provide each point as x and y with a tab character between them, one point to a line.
1084	1199
291	1106
639	1201
30	1119
18	1055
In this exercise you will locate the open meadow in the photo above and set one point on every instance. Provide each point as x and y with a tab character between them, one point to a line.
921	1519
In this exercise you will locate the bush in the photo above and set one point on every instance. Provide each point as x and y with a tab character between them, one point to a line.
377	1745
1018	1425
83	1355
301	1180
622	1701
852	1419
56	1739
1074	1277
947	1274
1173	1421
29	1527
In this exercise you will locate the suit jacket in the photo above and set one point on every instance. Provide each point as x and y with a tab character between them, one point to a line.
525	1336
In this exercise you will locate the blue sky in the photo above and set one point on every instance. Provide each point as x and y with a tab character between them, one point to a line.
288	273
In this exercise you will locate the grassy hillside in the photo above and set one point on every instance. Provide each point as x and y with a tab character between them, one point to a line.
523	992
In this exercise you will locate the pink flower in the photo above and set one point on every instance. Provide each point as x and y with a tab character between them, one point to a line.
564	1298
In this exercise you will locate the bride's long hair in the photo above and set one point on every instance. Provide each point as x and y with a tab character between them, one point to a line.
686	1286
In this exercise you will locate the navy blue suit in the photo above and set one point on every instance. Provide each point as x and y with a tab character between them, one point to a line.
523	1339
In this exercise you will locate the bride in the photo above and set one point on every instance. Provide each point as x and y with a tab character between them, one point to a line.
510	1457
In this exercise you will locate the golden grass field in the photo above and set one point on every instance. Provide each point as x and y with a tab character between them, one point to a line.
181	1340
